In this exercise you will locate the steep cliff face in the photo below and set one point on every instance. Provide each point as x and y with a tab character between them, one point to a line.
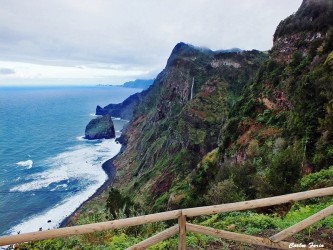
281	127
179	119
304	31
216	123
122	110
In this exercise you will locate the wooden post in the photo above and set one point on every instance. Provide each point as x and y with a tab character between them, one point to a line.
303	224
182	232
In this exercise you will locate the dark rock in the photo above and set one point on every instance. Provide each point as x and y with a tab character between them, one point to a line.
99	128
122	110
101	111
122	140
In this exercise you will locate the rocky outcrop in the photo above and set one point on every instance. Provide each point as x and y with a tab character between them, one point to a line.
100	128
122	110
303	31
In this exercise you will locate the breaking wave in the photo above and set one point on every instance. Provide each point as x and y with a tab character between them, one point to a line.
78	172
27	164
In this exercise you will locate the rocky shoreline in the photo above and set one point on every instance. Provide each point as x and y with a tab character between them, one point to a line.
99	128
111	171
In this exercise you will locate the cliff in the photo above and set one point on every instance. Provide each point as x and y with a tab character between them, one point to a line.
281	127
244	121
122	110
179	119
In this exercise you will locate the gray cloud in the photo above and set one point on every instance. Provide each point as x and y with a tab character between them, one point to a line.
132	33
6	71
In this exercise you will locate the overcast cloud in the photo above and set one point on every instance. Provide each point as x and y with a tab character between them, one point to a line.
6	71
111	41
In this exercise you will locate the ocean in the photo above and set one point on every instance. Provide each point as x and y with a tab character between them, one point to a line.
47	168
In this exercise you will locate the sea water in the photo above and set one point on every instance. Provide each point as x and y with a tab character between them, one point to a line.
47	168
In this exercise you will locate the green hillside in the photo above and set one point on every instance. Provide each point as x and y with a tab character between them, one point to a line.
256	122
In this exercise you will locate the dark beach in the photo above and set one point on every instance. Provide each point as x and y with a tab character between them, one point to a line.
111	171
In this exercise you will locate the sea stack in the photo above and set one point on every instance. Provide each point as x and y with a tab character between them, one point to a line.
100	128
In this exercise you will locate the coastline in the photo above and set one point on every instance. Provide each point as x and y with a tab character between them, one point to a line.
111	171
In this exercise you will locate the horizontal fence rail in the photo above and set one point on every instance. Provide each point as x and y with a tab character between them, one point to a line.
244	205
89	228
182	227
232	236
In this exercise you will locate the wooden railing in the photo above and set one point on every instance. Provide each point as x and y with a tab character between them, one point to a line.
275	241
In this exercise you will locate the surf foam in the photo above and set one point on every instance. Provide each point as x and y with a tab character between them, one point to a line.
27	163
83	164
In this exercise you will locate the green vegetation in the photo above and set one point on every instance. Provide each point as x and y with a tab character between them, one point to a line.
117	202
315	17
223	192
256	124
178	133
321	179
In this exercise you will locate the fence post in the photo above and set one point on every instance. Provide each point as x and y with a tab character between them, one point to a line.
182	232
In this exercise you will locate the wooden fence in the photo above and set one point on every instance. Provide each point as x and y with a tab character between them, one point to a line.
275	241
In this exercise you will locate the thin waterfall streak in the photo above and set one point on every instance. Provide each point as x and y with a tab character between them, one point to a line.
192	89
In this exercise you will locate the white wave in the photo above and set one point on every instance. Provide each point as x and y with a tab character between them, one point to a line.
81	138
60	186
27	163
52	218
94	115
82	163
119	119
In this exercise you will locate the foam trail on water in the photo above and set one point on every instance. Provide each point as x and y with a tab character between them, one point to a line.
27	163
82	164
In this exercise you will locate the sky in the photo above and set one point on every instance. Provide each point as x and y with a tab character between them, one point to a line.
89	42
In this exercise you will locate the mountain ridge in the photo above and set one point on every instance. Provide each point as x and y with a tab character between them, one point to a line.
244	115
167	109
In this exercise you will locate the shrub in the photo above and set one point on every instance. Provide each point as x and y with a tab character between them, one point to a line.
224	192
321	179
242	175
285	170
116	202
